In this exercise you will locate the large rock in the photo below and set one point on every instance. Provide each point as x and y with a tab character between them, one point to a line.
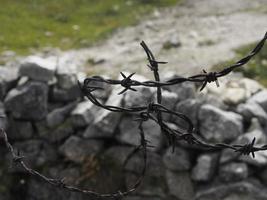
129	132
76	149
28	101
205	168
260	98
83	114
180	185
37	68
179	160
233	171
217	125
251	110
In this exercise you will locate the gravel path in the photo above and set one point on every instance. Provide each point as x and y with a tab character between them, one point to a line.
191	36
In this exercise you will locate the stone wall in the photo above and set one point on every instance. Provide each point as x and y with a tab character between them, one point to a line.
64	135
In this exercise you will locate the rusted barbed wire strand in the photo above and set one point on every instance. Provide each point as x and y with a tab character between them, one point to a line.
147	113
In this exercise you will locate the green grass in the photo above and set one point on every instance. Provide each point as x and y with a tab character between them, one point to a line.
34	24
255	69
257	66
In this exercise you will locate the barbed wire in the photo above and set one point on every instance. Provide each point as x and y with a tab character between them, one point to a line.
153	111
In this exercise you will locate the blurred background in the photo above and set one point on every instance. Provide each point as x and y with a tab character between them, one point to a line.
46	45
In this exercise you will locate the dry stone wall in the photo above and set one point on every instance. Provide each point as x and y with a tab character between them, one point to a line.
62	134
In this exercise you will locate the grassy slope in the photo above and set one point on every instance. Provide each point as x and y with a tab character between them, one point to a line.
27	24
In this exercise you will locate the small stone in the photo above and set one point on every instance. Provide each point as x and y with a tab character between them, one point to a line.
217	125
58	115
57	133
154	182
19	130
118	154
205	167
107	120
244	190
28	101
66	81
234	171
37	68
260	98
95	132
234	96
173	42
129	132
65	95
180	185
169	99
186	90
251	86
179	160
188	107
8	78
3	117
37	152
83	114
76	149
251	110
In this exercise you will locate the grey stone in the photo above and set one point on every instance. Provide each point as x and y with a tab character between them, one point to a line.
66	80
37	152
28	101
217	125
105	92
118	154
141	198
254	130
251	110
142	97
179	160
57	133
260	98
8	78
154	182
38	190
129	132
76	149
188	107
93	131
186	90
37	68
233	171
19	130
173	42
65	95
180	185
107	120
58	115
169	99
205	168
244	190
83	114
3	117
